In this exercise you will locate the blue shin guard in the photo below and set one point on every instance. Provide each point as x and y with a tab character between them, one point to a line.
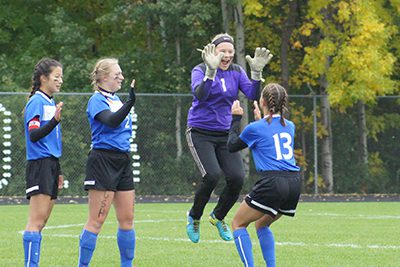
126	243
31	242
87	244
244	246
267	243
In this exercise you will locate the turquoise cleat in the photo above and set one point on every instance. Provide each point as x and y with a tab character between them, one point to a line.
193	229
223	229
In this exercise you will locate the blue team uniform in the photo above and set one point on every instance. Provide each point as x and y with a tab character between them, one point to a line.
104	137
278	190
271	144
108	168
44	107
43	168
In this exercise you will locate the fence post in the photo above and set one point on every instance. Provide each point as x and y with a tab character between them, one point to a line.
315	144
314	97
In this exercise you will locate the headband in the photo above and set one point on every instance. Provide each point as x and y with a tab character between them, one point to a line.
223	39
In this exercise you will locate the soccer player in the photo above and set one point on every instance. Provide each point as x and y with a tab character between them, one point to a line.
277	192
43	150
215	85
109	177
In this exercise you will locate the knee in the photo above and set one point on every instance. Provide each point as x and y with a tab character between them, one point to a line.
236	183
36	225
94	225
212	178
126	223
236	224
41	225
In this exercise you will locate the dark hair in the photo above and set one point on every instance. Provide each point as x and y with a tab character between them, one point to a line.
276	99
44	67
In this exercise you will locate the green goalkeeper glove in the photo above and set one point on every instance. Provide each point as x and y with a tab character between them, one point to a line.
211	60
261	58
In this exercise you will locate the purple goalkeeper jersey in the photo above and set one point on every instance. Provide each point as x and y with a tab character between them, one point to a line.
214	111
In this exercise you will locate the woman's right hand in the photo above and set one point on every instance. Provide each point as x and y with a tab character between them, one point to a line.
211	60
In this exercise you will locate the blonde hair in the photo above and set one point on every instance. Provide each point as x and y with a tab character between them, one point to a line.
101	68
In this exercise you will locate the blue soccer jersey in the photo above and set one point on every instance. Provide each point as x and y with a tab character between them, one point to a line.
43	107
104	137
214	112
271	144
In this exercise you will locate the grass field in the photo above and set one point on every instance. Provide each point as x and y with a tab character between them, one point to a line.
321	234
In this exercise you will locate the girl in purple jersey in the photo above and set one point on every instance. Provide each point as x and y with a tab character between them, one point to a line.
215	85
277	192
43	149
109	177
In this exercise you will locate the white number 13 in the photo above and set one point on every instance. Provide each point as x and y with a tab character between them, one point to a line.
286	140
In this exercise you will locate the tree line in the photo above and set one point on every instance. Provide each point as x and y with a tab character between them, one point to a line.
346	51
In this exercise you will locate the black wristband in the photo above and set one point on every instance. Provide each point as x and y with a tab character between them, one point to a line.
236	117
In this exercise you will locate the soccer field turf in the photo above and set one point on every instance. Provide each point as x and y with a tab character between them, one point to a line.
321	234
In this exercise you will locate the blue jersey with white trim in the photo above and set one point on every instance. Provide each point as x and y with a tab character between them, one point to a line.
40	105
104	137
271	144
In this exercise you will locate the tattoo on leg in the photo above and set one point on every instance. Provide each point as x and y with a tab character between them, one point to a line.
103	205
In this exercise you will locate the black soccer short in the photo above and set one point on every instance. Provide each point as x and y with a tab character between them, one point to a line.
42	177
276	192
108	170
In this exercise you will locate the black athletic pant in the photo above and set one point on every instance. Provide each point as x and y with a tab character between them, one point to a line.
210	152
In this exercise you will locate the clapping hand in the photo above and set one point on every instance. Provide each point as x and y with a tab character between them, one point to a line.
132	95
57	115
236	108
256	111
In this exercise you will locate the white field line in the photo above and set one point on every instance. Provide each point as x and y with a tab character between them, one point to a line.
136	221
368	217
82	224
294	244
167	239
301	213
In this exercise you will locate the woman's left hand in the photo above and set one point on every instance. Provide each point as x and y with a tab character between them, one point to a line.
236	108
262	57
257	112
57	115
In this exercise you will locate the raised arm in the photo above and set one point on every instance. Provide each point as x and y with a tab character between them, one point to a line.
234	141
262	57
37	132
113	119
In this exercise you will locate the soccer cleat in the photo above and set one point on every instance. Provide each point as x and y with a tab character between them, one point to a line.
223	229
193	229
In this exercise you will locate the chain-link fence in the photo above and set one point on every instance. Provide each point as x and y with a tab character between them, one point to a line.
163	164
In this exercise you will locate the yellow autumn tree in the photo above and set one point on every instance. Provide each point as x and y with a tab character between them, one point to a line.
348	57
